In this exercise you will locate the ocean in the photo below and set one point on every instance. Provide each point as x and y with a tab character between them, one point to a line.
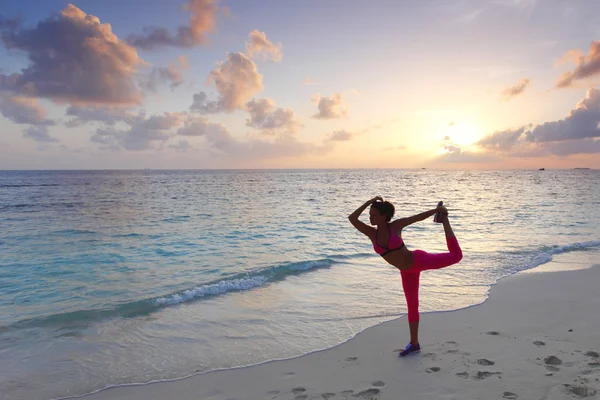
126	277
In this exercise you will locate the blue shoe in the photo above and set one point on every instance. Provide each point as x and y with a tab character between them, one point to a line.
409	349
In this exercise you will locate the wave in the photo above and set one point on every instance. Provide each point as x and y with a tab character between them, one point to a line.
233	283
544	255
244	282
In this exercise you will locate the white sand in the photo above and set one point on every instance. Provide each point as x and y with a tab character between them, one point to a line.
491	351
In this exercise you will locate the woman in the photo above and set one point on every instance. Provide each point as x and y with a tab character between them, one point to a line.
388	243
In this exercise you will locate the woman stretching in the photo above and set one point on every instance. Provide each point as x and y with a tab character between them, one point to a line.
388	243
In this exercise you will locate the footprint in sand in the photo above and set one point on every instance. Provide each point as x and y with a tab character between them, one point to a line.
485	361
347	392
539	343
368	394
463	375
594	364
378	383
486	374
273	392
298	390
301	397
493	333
351	359
451	342
509	395
326	396
552	360
432	369
581	391
592	354
552	368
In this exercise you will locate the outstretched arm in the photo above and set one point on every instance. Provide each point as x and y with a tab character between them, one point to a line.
400	223
361	226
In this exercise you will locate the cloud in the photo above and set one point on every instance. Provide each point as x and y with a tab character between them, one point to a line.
39	133
183	146
330	107
340	136
219	139
236	80
581	146
202	105
142	133
171	74
515	90
22	110
106	115
587	65
456	154
577	133
72	58
501	140
581	122
266	116
202	21
258	44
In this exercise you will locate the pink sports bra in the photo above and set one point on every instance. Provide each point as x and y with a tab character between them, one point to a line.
395	242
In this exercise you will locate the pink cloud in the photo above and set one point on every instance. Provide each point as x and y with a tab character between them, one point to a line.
515	90
587	65
266	116
72	58
236	80
330	107
259	45
202	21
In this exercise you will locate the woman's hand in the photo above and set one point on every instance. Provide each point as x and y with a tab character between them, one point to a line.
376	198
442	209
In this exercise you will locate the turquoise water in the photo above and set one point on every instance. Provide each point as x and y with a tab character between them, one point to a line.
118	277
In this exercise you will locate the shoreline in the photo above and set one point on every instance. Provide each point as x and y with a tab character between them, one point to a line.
259	377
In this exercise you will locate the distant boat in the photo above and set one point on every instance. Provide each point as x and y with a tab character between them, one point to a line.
542	169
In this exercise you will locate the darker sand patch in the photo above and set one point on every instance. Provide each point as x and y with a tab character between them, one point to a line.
485	361
327	395
367	394
351	358
301	397
378	383
539	343
592	354
298	390
552	360
492	333
552	368
433	369
463	375
485	374
509	395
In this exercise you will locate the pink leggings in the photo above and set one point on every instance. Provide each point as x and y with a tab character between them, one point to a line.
425	261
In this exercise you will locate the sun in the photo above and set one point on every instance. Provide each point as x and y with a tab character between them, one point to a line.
462	133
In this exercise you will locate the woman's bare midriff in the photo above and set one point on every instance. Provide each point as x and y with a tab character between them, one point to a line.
402	259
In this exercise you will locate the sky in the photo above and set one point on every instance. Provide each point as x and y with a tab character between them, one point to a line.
211	84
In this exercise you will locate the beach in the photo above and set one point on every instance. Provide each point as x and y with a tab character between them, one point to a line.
536	337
